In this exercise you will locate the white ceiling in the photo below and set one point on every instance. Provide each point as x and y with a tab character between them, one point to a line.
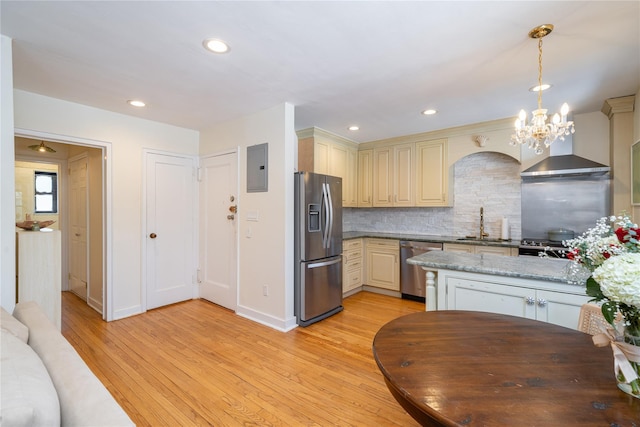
374	64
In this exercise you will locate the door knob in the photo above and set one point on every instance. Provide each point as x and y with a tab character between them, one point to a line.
230	216
153	235
233	209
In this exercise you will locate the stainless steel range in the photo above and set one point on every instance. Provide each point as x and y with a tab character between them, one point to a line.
533	247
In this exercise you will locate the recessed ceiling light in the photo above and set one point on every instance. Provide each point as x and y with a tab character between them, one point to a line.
354	128
136	103
537	88
216	46
429	112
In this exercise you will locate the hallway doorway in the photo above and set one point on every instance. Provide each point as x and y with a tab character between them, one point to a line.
80	210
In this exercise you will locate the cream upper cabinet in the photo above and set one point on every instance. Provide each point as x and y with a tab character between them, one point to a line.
365	178
393	175
350	179
382	176
343	163
338	160
432	174
321	157
322	152
404	175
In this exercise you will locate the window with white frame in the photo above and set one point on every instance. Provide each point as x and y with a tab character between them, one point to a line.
46	193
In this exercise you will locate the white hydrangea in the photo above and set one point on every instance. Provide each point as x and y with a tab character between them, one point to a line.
619	278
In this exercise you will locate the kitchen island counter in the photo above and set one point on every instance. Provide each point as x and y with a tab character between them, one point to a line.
536	268
526	286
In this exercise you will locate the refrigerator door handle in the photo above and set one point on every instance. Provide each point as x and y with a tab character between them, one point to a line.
327	212
330	199
324	263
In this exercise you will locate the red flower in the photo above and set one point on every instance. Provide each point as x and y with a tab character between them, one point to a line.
624	235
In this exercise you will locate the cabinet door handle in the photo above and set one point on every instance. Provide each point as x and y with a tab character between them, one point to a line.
542	302
530	300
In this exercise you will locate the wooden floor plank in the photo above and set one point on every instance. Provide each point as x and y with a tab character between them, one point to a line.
195	363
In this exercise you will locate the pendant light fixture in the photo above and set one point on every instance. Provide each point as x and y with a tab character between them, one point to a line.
538	133
42	148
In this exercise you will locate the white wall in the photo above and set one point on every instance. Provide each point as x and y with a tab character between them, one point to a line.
7	180
126	137
591	139
266	258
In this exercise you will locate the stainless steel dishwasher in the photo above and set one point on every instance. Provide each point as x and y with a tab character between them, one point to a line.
412	277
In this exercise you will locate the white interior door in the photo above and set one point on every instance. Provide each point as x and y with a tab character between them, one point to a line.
218	231
170	225
78	227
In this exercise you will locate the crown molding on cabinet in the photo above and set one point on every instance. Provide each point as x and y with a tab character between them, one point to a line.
623	104
475	128
318	132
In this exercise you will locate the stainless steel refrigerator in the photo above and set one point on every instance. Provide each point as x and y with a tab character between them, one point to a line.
318	247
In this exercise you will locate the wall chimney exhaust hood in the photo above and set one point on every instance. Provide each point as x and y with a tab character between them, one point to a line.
562	162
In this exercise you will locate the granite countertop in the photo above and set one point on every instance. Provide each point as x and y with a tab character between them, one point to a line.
526	267
428	238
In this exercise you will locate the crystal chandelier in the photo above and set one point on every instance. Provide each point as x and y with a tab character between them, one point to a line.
538	134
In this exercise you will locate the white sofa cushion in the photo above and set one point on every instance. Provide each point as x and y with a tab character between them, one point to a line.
28	395
84	400
12	325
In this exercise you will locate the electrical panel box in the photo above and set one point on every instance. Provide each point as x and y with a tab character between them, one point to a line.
257	168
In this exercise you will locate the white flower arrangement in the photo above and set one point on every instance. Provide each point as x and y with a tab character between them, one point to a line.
619	278
608	257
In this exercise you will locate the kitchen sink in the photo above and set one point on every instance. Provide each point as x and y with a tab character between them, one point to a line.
477	239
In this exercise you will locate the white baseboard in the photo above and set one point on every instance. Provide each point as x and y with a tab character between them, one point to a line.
127	312
267	319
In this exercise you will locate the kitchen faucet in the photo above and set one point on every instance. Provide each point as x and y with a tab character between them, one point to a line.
482	233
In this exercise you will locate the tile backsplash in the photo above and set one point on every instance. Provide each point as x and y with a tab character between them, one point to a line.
490	180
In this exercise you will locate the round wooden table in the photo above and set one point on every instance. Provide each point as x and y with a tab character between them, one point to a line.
466	368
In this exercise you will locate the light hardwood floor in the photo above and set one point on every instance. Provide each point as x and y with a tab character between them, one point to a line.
195	363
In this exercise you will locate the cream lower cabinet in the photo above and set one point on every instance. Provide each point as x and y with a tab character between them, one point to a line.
351	265
479	249
383	263
556	303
